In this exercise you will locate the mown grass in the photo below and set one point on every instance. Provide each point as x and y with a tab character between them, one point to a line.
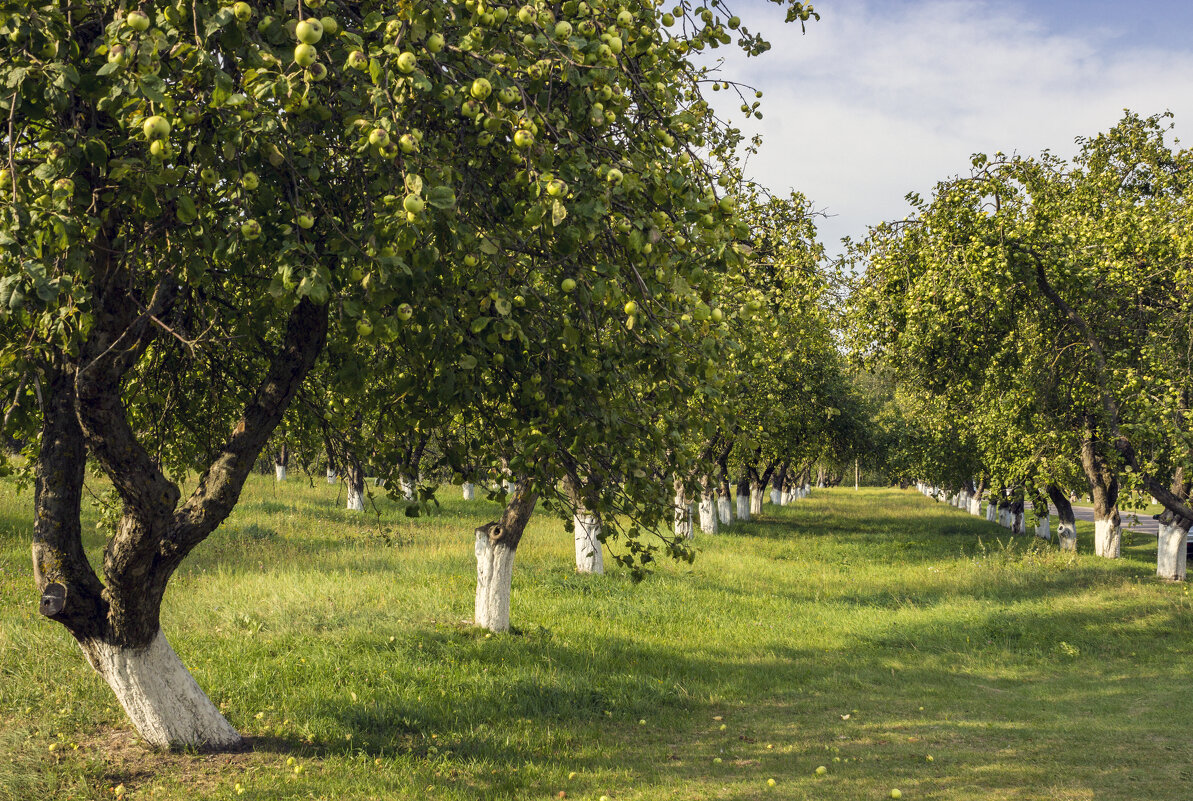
862	631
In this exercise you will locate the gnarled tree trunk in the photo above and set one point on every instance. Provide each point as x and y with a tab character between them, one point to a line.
1066	523
496	545
1103	484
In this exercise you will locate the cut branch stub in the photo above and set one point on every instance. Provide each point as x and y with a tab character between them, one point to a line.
53	600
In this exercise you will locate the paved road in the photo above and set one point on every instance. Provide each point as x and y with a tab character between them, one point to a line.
1132	521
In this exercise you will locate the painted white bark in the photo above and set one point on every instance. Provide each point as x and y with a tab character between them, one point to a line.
1044	528
774	496
1171	556
683	517
975	506
1108	538
331	476
279	472
589	555
356	499
494	578
991	511
1066	535
160	696
407	487
1018	523
469	491
756	501
724	510
743	507
708	515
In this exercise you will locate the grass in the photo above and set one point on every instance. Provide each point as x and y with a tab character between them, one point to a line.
861	631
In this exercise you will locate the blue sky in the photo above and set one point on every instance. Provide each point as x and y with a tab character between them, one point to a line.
884	97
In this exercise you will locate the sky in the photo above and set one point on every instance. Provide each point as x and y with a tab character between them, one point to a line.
884	97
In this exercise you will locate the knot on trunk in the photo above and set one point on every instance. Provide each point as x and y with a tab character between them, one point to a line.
493	531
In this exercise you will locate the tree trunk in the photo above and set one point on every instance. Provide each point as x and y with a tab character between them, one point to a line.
1103	483
496	545
683	512
589	556
469	491
281	460
743	499
1066	523
756	498
331	475
354	480
1171	553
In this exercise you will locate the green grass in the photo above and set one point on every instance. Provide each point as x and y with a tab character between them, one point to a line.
859	631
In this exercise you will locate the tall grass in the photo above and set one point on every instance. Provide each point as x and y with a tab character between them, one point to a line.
859	631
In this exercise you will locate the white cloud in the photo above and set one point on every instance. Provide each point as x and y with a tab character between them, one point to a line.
881	98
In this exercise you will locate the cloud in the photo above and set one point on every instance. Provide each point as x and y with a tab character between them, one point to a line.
879	99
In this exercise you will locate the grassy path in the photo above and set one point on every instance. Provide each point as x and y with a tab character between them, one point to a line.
864	632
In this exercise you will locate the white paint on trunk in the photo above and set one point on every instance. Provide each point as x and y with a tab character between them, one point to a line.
356	498
756	497
975	506
331	476
1066	535
407	487
774	496
589	556
683	517
1044	528
724	510
1171	555
494	578
279	472
469	490
991	510
708	515
743	507
162	699
1108	538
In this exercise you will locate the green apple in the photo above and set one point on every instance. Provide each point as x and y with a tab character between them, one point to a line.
668	19
435	43
821	770
568	284
305	55
413	204
208	176
470	260
316	72
563	29
118	54
615	44
734	22
405	312
407	143
556	187
481	88
523	138
305	221
191	114
896	793
250	229
330	26
357	60
137	20
614	176
156	127
250	181
159	149
309	31
379	137
631	308
63	188
364	329
508	95
526	14
243	11
625	19
407	61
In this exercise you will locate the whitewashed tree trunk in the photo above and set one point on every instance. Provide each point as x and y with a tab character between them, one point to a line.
1171	556
1108	538
1044	528
975	506
407	486
1018	523
743	507
331	476
469	491
356	498
683	515
279	472
589	555
774	496
1066	534
494	578
162	699
991	511
708	514
724	509
756	497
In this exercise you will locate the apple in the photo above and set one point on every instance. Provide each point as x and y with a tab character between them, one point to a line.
625	19
508	95
435	43
316	72
405	312
156	127
523	138
364	329
159	149
481	88
378	137
821	770
568	284
668	19
614	176
191	114
413	204
305	55
305	221
407	62
407	143
526	14
556	187
242	11
309	31
734	22
63	188
250	229
896	793
118	54
250	181
137	20
208	176
631	307
470	260
615	44
357	60
563	29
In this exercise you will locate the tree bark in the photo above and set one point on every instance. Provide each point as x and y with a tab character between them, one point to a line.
1103	483
1171	545
683	512
1066	523
496	544
354	480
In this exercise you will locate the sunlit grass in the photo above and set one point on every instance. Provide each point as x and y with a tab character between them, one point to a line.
859	631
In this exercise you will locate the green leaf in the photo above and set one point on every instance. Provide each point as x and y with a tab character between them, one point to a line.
479	324
468	362
442	197
559	213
